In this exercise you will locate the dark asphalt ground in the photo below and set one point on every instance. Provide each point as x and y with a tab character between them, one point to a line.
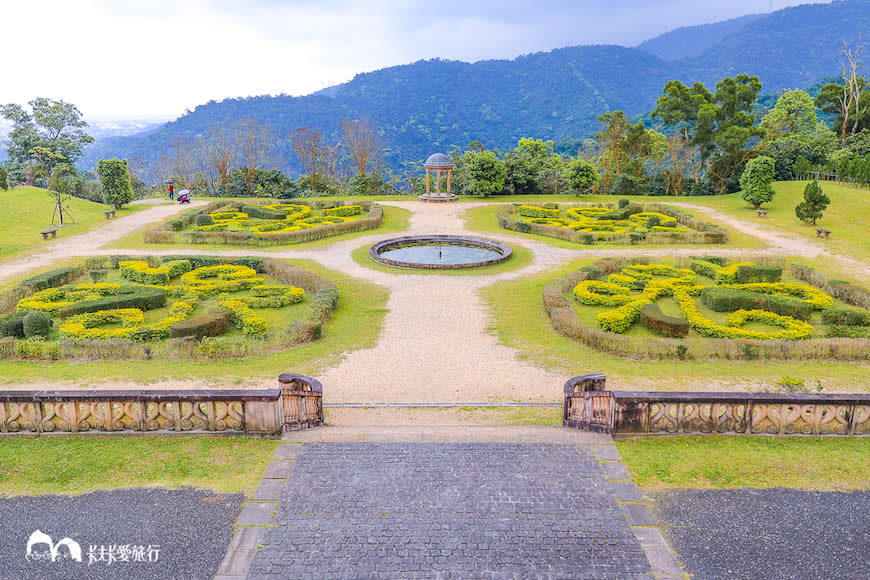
768	534
192	528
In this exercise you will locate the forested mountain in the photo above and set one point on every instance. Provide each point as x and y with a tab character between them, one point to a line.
691	41
431	105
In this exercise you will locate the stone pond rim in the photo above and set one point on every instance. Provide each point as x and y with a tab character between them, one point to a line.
503	250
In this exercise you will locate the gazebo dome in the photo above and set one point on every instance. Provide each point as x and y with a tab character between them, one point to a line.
438	160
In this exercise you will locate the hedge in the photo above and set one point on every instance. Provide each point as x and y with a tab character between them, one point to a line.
343	211
653	318
139	271
848	331
52	279
215	323
537	212
846	317
13	325
141	297
263	213
845	291
750	274
727	299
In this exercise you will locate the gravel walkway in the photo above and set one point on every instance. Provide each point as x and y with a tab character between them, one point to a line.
768	533
185	533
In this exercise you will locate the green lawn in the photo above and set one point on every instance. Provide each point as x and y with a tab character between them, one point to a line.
77	464
847	216
28	211
355	324
519	321
395	220
816	463
485	221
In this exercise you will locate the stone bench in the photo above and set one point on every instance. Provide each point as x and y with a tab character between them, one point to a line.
822	232
46	232
110	213
761	213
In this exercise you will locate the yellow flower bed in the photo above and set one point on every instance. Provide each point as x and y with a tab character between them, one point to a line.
298	217
243	317
51	300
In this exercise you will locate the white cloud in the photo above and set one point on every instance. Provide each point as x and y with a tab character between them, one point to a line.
138	57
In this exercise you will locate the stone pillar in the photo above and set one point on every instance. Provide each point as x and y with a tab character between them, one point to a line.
438	182
449	170
427	180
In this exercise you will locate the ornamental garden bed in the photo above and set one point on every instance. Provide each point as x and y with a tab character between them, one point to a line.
711	307
120	307
623	223
265	224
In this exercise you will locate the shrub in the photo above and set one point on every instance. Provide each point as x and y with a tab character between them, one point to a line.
195	262
705	268
214	323
13	325
653	221
139	271
35	324
204	220
847	331
52	279
537	212
846	317
263	213
141	297
721	299
751	274
175	225
653	318
97	275
344	211
622	203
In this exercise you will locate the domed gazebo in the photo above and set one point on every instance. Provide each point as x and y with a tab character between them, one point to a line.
438	162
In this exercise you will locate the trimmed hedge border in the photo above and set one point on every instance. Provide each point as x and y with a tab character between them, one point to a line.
705	232
169	233
324	296
566	322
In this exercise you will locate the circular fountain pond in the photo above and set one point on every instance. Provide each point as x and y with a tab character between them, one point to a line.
439	252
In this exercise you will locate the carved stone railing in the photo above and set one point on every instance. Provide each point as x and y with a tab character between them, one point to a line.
660	413
302	401
587	405
295	405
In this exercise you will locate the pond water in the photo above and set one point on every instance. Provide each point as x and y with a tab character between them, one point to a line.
429	253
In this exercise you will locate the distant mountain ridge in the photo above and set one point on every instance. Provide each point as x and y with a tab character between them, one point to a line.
431	105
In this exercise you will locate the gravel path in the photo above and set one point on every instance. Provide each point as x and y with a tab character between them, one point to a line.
190	530
768	533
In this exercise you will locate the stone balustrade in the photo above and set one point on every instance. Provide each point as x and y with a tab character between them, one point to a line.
625	413
295	404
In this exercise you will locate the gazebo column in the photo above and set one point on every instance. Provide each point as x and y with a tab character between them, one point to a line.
427	180
438	181
448	180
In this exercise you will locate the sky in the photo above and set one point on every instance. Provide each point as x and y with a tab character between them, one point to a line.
130	59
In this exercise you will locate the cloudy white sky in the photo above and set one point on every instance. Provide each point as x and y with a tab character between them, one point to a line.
139	58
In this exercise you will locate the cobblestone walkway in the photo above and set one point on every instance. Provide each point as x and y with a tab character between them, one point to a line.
449	510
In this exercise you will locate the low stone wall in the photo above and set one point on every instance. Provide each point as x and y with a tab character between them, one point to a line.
295	404
625	413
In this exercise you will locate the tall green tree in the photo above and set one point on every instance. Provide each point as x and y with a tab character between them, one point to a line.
793	131
626	148
814	204
580	175
52	132
679	108
484	173
115	180
756	180
525	165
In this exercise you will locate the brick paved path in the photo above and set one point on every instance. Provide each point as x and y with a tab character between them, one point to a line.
449	510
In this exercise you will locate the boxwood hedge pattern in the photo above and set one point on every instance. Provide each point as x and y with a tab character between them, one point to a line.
108	320
267	224
591	223
632	286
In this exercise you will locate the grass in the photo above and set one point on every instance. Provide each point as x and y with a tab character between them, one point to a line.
814	463
78	464
484	220
846	216
355	325
520	258
519	321
28	211
395	220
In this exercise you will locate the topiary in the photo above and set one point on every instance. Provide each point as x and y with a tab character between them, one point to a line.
36	323
622	203
204	220
13	325
653	221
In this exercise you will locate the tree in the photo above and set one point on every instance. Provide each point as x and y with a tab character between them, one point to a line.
525	164
484	173
625	150
679	108
255	139
793	131
364	143
756	180
222	150
580	175
849	101
814	203
53	129
311	149
115	179
4	185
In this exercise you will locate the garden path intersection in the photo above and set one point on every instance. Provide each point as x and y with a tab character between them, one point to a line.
437	502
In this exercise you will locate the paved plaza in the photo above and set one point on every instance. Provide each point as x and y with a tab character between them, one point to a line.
449	510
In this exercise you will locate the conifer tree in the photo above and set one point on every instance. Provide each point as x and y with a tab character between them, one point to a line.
814	203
